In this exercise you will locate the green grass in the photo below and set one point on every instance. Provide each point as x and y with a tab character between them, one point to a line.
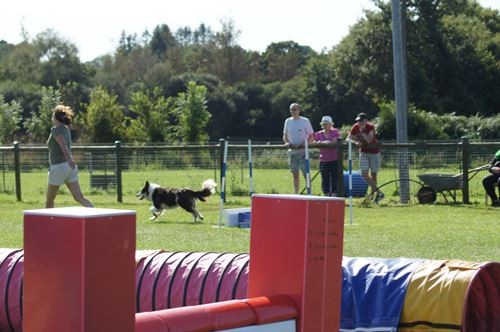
439	231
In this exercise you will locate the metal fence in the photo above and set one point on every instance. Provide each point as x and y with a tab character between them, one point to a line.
119	169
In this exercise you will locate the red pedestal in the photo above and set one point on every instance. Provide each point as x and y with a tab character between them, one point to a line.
79	270
296	250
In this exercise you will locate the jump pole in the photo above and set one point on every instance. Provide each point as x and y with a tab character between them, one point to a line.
250	166
223	184
308	175
350	179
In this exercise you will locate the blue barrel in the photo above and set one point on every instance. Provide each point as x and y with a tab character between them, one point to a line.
359	186
244	219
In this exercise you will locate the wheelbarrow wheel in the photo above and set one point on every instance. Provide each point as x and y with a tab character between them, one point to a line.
426	195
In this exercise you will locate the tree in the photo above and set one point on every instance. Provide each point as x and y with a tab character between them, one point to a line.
203	35
104	118
282	61
452	54
10	118
128	43
362	63
230	62
21	64
39	124
59	61
5	49
153	117
193	113
162	40
320	90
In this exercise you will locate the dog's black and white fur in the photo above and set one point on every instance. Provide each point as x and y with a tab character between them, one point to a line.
169	198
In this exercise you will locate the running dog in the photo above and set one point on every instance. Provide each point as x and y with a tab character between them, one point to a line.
169	198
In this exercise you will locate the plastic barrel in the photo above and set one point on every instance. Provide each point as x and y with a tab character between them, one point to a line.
359	186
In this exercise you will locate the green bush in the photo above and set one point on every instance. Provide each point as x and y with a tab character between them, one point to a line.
424	125
421	124
489	128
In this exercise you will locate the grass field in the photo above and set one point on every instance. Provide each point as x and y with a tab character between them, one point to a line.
438	231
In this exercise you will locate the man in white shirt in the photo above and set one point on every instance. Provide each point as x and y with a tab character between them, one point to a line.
297	128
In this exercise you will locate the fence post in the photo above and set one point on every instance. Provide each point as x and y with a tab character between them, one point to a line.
17	170
465	168
118	171
221	164
340	168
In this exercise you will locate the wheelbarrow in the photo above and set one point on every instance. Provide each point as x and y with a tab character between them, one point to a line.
445	184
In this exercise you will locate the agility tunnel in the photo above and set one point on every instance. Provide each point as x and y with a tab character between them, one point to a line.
381	294
170	280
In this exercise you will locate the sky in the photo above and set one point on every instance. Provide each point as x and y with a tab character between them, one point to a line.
95	26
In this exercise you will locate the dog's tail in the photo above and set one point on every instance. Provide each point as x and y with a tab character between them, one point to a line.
207	189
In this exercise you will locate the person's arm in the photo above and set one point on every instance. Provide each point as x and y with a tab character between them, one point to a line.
316	137
353	137
285	139
495	168
310	138
285	136
367	137
64	148
336	136
309	132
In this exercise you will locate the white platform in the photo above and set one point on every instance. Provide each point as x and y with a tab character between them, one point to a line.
78	212
231	216
285	326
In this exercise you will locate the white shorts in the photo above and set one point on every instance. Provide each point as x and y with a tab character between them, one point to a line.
369	161
62	173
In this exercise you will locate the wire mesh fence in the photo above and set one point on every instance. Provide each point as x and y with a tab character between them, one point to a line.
122	169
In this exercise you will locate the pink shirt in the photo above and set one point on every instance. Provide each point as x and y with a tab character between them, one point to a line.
327	154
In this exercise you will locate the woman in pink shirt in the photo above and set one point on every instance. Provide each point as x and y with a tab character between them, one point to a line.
328	163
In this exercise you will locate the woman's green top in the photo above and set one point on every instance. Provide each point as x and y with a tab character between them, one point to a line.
56	155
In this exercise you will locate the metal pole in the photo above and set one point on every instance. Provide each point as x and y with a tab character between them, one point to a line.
223	184
401	94
350	180
340	169
250	166
118	171
465	169
17	170
222	144
308	173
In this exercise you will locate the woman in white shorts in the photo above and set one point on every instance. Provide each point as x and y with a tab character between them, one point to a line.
62	166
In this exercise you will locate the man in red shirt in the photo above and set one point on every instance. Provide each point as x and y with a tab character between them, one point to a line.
363	134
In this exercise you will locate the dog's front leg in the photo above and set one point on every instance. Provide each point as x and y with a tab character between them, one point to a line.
197	215
155	212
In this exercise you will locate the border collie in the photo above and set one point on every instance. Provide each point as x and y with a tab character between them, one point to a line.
169	198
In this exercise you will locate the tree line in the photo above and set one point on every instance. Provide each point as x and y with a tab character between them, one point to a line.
198	84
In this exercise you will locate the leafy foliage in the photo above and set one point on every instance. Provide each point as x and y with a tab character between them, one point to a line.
453	53
193	114
424	125
153	114
10	118
282	60
38	126
421	125
104	118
